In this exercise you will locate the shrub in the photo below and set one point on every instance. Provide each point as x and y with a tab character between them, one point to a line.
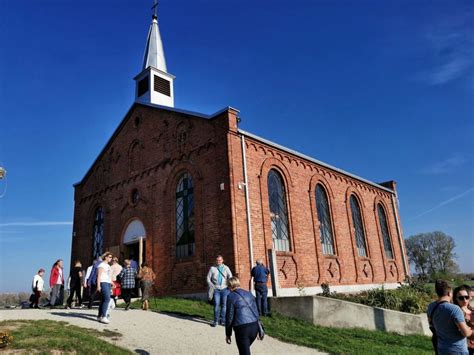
411	297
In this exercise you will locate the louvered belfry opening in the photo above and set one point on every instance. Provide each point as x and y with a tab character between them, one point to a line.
142	86
162	85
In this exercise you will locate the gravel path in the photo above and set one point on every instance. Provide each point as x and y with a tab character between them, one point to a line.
158	333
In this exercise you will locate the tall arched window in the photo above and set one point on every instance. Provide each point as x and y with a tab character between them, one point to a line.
324	218
384	228
358	227
98	233
185	217
278	211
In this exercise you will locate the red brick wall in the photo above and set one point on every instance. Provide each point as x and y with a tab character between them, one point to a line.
161	154
305	265
151	155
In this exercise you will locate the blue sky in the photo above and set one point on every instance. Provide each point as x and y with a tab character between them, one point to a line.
381	89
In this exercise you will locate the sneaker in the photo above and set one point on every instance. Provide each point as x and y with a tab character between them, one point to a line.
82	306
68	307
213	324
99	318
104	320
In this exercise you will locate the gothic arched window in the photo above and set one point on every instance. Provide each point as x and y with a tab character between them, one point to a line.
185	217
358	227
324	218
384	228
278	211
98	233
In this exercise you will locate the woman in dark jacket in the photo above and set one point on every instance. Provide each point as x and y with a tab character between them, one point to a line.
241	315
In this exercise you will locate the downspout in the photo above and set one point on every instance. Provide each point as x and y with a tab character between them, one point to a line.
247	205
394	198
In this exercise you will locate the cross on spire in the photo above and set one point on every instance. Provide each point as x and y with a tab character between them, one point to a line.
155	9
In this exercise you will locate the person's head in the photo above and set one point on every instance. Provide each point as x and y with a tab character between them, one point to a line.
99	258
471	302
107	257
219	260
77	263
115	260
233	283
127	262
442	288
58	263
41	272
259	261
144	264
461	295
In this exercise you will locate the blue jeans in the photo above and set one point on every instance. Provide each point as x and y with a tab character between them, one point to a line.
261	292
220	304
105	288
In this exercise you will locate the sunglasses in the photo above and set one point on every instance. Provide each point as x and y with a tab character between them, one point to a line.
463	298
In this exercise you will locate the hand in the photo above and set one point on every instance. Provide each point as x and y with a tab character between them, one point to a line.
228	340
98	288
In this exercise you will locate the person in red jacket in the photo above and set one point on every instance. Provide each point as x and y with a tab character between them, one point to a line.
56	282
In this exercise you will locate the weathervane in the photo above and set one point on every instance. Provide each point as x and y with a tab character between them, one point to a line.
155	9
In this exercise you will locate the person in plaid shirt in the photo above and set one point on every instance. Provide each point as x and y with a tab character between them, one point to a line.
127	280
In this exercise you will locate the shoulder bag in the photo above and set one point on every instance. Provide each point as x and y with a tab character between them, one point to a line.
261	329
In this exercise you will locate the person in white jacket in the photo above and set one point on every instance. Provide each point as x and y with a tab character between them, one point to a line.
37	287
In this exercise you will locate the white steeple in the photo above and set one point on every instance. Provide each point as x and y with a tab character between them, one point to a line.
154	84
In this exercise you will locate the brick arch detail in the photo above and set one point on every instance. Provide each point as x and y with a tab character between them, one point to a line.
358	261
320	257
378	200
267	165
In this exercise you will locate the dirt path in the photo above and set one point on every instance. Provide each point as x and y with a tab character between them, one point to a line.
157	333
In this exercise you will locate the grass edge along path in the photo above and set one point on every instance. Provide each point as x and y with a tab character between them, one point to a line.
290	330
45	336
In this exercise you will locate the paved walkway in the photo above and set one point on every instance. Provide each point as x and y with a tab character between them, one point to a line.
158	333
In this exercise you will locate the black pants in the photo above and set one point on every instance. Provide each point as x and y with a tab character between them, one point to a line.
92	295
245	335
127	294
77	290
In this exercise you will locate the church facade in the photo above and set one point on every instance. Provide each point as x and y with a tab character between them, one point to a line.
176	188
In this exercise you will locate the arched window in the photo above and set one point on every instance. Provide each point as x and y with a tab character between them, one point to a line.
185	217
384	228
278	211
98	233
358	227
324	218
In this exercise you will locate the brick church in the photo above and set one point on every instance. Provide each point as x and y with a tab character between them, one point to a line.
176	188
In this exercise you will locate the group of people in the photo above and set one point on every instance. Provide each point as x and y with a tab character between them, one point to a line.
451	319
105	278
235	308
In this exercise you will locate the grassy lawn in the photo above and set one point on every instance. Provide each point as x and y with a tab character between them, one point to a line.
45	336
431	286
331	340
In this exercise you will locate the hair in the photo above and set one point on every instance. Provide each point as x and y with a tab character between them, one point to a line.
77	262
442	288
57	262
106	254
40	270
457	290
233	283
144	264
127	262
219	256
259	261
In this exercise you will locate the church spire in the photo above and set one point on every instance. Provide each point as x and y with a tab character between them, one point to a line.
154	84
154	54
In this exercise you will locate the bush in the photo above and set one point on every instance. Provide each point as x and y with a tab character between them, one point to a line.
411	297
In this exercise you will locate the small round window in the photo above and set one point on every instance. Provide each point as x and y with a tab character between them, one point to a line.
135	196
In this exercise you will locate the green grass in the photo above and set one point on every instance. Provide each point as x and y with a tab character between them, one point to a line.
431	285
44	336
331	340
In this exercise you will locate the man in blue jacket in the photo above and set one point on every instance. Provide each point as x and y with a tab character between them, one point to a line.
260	276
